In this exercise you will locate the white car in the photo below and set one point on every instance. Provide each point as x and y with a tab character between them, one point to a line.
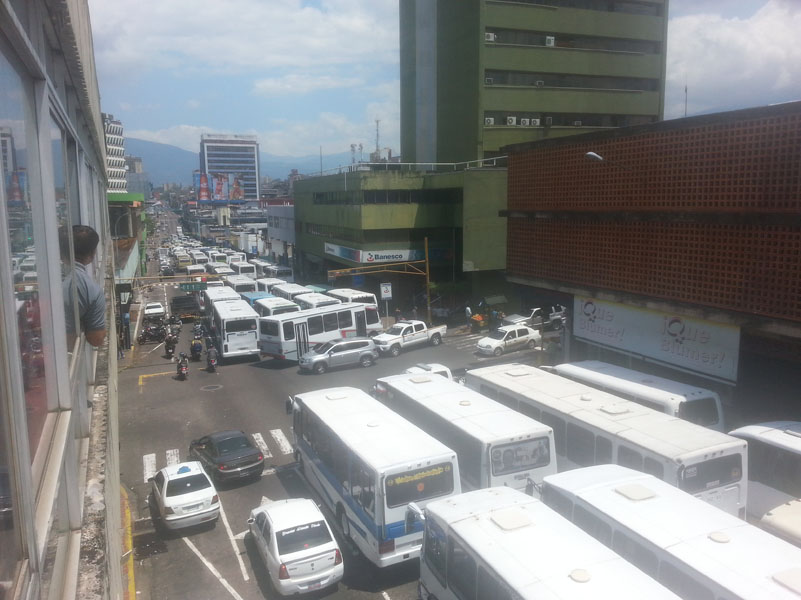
184	496
509	338
296	545
154	310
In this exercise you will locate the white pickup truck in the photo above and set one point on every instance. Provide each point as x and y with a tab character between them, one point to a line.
408	333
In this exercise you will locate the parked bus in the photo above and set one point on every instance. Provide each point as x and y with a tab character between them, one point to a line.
367	464
695	404
251	297
351	295
216	256
195	270
265	284
199	258
689	546
240	283
314	300
182	261
500	544
774	476
593	427
222	271
243	268
319	287
267	307
261	266
280	272
496	445
234	328
289	336
210	266
216	294
232	257
289	290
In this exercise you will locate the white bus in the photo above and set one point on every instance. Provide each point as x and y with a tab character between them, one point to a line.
217	256
496	446
280	272
367	464
697	405
265	284
216	294
592	427
774	476
314	300
690	547
267	307
500	544
199	258
234	328
195	270
261	266
243	268
240	283
351	295
289	336
289	290
232	257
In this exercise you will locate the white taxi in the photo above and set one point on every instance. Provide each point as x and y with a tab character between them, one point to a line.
296	545
184	496
508	338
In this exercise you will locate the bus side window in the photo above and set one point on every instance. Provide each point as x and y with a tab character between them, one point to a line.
362	487
330	322
507	401
558	426
289	330
528	410
580	445
636	554
682	584
603	450
557	501
315	325
297	422
372	316
435	550
345	319
461	571
653	467
626	457
490	587
593	525
489	392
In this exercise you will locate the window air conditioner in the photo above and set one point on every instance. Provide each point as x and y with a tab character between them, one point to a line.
511	120
539	83
489	37
535	122
525	122
576	123
489	121
550	41
548	121
488	81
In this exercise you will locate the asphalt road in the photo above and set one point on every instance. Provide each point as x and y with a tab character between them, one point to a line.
159	415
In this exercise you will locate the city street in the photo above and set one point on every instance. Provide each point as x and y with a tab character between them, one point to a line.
160	415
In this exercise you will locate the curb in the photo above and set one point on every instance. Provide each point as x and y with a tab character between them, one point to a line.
127	547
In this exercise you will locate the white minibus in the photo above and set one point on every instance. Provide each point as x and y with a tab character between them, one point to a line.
267	307
500	544
243	268
351	295
774	476
215	256
265	284
234	328
199	258
496	445
689	546
367	464
240	283
233	257
280	272
697	405
592	427
195	270
314	300
182	261
210	266
260	265
222	270
289	290
289	336
216	294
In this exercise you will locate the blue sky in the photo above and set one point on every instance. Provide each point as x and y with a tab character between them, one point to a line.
304	74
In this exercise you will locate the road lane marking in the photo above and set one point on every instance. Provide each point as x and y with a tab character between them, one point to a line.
268	471
280	439
211	568
241	535
173	456
385	595
143	377
233	544
262	445
149	466
156	348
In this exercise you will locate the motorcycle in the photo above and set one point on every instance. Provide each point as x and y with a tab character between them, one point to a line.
196	348
183	368
211	361
169	347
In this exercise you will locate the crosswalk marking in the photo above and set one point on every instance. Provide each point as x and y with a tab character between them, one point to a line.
262	445
149	466
173	456
280	439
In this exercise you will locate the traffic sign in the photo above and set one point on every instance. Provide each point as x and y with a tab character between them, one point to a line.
386	291
195	286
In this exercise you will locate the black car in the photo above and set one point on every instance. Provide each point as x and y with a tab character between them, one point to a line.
228	455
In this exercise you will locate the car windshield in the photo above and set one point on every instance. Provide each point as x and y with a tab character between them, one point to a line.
323	348
154	305
233	444
497	335
395	330
302	537
187	485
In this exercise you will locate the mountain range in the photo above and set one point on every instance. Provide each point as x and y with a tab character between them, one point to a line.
169	164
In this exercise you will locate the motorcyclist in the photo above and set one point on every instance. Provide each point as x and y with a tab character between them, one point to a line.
211	357
183	363
170	342
196	348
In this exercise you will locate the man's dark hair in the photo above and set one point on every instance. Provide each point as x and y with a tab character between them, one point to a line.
84	240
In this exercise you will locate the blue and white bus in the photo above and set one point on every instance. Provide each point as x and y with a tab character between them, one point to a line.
368	463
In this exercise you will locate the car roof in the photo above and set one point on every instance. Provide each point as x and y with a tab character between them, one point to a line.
218	436
510	327
184	469
353	339
291	512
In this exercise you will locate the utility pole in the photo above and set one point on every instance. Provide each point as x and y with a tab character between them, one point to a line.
428	286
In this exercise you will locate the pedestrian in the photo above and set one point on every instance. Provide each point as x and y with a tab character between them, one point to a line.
414	313
398	315
90	296
468	314
493	318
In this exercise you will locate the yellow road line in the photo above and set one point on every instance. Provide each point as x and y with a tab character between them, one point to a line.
143	377
127	546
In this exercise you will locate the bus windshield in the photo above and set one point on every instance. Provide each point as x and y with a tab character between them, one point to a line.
419	484
711	473
703	411
520	456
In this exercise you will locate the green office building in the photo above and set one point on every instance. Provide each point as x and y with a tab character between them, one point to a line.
477	75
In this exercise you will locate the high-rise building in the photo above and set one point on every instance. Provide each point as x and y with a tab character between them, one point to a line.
480	75
234	155
115	155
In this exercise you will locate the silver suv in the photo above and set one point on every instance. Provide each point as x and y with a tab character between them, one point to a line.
340	353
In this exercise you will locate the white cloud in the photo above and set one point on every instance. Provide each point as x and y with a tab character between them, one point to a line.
182	136
193	103
301	83
734	63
